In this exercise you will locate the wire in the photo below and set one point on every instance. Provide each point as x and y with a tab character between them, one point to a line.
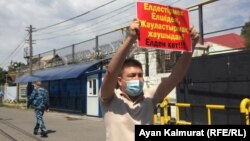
80	30
74	25
75	16
172	2
88	27
19	46
223	30
84	29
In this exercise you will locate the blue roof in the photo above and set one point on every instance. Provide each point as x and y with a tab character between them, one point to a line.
62	72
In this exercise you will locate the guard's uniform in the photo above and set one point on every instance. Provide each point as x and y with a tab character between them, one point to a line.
1	98
40	100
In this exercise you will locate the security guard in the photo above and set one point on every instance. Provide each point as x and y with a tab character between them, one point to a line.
39	99
1	98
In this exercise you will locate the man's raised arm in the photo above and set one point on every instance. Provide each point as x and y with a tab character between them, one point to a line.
178	71
115	65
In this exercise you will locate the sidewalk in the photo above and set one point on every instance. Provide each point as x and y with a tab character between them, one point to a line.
62	126
69	116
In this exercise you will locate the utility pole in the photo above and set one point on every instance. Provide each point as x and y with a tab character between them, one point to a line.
146	64
30	30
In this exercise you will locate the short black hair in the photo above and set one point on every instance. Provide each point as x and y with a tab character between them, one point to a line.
130	62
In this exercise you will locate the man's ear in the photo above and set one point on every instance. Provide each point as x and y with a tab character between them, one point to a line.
119	81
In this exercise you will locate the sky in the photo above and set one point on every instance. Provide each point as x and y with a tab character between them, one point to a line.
90	18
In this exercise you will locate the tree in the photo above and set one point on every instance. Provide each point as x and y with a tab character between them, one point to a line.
2	76
15	66
245	32
13	70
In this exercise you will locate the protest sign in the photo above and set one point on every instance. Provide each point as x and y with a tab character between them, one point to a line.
163	27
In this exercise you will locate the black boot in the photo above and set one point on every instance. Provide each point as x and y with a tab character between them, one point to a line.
35	131
44	134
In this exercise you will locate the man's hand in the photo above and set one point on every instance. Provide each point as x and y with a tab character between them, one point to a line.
195	36
134	28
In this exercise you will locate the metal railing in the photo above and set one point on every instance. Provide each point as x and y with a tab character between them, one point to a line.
103	46
162	114
245	110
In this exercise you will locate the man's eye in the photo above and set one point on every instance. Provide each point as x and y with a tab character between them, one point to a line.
134	75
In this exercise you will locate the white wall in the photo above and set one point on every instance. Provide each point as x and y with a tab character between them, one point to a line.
10	93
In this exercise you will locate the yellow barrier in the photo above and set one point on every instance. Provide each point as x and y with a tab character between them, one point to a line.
163	116
155	116
209	107
165	106
245	109
178	121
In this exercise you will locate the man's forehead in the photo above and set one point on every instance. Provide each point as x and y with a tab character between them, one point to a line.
132	70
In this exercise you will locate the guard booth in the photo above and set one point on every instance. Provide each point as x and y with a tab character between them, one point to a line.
72	88
222	79
92	95
93	105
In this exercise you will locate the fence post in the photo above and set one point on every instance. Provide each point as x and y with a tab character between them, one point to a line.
244	110
73	53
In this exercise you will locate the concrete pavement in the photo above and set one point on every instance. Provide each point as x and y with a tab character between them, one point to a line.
18	124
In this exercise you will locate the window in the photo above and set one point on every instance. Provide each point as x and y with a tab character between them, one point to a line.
94	87
90	84
23	92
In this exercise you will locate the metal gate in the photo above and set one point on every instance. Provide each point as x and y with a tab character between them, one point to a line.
222	79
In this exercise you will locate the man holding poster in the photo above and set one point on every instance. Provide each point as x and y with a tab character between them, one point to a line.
130	104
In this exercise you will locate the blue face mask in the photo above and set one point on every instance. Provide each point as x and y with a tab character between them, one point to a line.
134	87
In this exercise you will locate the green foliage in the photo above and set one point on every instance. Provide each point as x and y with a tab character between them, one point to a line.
14	66
2	76
245	32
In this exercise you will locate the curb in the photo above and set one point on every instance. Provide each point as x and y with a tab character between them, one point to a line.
15	105
69	116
